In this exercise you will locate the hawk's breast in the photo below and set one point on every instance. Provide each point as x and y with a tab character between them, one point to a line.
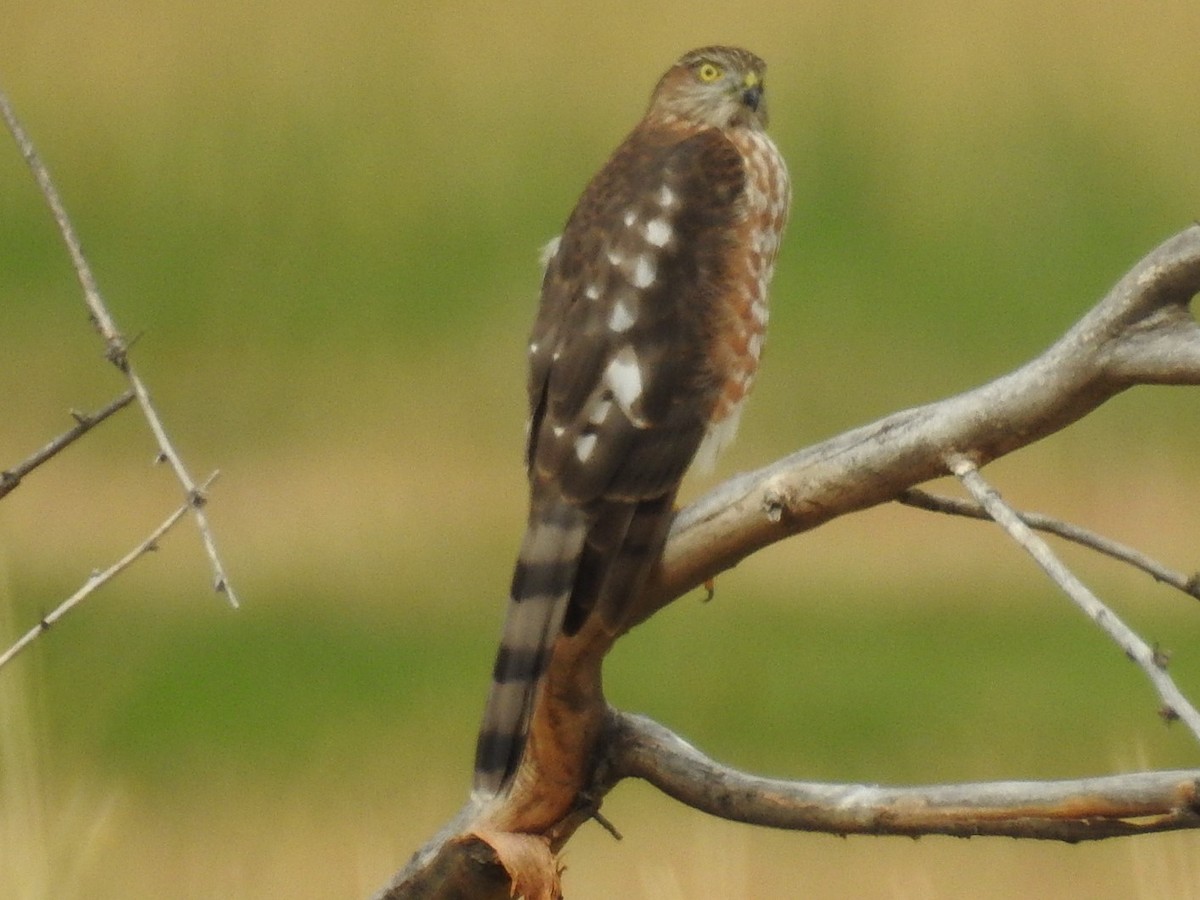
738	342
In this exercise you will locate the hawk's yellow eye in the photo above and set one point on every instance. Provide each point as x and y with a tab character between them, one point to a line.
709	72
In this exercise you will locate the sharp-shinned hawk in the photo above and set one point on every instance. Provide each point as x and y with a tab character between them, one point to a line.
648	335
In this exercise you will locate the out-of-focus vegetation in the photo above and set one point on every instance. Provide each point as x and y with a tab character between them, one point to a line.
322	221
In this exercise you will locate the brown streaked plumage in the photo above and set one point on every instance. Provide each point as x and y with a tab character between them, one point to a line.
646	341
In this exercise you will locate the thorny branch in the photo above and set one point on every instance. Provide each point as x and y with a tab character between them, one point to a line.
117	348
84	423
1142	332
100	578
1176	705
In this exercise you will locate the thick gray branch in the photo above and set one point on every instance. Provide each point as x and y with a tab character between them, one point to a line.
1142	332
1078	810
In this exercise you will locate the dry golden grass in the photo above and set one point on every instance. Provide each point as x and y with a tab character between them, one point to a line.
300	845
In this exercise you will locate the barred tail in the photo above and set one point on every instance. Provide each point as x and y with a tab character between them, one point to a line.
541	588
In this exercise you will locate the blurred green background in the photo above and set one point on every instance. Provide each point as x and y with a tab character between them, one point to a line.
322	223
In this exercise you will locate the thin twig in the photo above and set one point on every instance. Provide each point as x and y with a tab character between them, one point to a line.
1150	660
91	293
84	423
1189	584
117	347
100	578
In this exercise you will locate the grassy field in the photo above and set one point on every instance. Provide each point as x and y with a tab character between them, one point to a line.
322	223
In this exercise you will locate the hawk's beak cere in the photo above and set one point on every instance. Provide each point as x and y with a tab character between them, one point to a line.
752	91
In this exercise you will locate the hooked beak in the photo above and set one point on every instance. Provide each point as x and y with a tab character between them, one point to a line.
752	96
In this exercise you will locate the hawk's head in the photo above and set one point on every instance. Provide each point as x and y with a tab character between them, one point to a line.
716	86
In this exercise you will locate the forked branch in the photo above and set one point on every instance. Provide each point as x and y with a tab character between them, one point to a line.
953	506
1175	704
1106	352
117	349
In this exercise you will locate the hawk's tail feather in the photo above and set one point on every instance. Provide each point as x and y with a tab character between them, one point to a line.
542	585
641	547
622	546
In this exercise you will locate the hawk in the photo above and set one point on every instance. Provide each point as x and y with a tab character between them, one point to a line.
647	337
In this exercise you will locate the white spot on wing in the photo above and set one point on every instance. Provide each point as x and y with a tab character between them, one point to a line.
621	318
559	431
585	444
666	197
644	272
624	378
592	292
629	218
615	257
599	411
658	232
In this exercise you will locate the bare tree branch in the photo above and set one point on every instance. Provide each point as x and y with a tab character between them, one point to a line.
84	423
1148	659
1102	355
100	578
1142	332
1189	584
117	347
1080	810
